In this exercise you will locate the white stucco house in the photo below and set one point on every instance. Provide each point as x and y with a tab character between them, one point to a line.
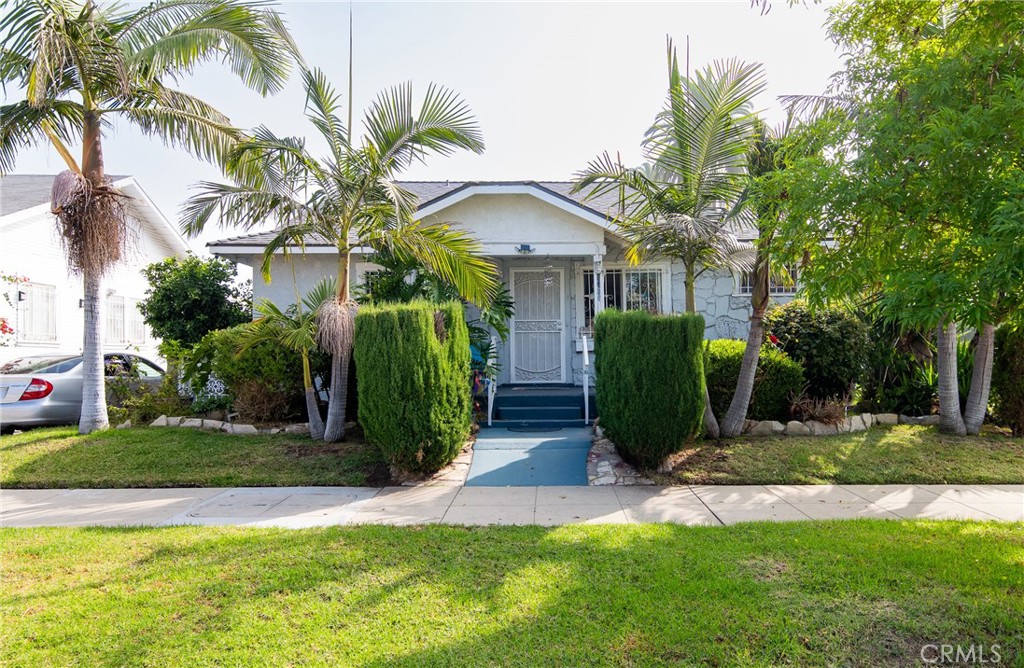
548	244
44	311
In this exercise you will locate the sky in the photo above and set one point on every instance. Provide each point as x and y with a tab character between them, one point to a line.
552	84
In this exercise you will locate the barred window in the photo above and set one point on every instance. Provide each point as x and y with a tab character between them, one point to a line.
39	314
624	289
114	329
776	285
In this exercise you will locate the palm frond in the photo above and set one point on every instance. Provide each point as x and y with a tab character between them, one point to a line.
22	126
452	255
174	36
180	120
322	103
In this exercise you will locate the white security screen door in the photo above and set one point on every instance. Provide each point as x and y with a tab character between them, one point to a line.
538	349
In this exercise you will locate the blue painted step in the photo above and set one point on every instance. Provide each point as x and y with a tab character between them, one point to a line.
540	412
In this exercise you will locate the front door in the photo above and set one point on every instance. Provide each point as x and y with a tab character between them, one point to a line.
538	348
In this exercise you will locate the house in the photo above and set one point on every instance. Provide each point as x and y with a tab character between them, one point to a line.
549	245
42	298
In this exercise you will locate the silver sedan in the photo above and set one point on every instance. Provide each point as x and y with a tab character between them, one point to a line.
47	389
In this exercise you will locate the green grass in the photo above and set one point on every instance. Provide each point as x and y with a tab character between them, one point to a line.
59	457
902	454
851	593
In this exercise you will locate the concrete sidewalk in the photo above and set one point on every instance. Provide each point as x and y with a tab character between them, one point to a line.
298	507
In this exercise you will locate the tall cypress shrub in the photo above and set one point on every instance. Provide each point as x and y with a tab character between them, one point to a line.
412	362
650	382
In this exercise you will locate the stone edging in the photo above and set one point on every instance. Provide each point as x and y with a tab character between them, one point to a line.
220	425
606	467
847	425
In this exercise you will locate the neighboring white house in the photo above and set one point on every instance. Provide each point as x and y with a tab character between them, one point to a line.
45	311
548	244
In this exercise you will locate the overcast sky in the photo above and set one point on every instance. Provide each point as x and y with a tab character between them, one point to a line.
552	84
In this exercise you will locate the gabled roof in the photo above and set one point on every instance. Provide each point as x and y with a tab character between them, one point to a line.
25	193
435	196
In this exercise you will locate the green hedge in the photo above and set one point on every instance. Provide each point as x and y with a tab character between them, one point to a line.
830	343
414	391
1008	378
778	379
650	382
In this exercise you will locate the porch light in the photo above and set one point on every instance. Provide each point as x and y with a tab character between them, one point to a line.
524	249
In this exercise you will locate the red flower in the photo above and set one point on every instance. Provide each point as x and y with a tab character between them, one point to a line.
774	339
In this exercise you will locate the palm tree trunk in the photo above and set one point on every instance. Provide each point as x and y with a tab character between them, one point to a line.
981	380
341	355
732	424
710	423
316	423
94	391
950	419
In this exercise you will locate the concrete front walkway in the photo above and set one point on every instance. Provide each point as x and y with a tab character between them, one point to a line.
297	507
506	458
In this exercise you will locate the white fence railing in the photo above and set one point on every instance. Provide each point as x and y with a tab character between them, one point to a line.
586	381
492	383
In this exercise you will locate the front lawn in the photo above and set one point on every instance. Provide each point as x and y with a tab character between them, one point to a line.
851	593
169	457
901	454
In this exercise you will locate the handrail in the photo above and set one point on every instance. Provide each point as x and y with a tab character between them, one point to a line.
492	385
586	382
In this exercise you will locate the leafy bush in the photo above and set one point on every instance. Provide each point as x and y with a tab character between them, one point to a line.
188	298
901	374
650	382
831	345
1007	375
264	382
412	362
778	379
132	400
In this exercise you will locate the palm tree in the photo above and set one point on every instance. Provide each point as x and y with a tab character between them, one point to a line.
762	160
684	201
81	66
349	198
294	328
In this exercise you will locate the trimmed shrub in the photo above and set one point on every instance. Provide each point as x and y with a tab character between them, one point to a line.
264	382
831	345
1008	378
777	382
650	382
412	362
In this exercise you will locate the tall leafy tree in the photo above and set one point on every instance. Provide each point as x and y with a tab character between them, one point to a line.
762	161
684	201
917	193
83	66
188	298
350	199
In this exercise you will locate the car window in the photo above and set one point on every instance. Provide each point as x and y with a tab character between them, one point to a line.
41	364
146	369
116	365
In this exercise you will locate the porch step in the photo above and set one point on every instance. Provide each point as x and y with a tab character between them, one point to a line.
549	412
538	425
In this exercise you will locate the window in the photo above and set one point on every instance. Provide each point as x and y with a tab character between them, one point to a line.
776	285
136	325
624	289
114	331
124	323
39	317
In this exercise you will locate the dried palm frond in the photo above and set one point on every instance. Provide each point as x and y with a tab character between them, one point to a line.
93	222
336	325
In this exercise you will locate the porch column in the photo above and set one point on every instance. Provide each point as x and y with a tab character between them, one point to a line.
598	283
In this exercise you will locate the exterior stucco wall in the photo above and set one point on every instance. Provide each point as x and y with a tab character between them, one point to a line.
30	247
